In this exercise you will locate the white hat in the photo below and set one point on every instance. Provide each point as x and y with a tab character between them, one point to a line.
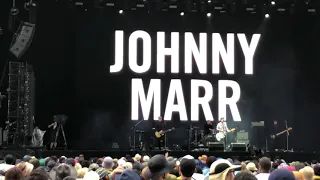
251	167
137	157
220	161
121	162
91	175
146	158
187	157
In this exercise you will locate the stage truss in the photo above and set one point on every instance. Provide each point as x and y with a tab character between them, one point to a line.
20	104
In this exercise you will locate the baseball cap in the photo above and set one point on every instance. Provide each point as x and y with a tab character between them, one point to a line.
157	166
251	167
128	174
281	174
187	167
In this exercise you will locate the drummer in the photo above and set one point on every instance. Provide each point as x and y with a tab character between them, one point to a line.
208	127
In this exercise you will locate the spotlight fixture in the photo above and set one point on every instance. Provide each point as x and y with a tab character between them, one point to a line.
209	1
267	15
208	14
273	2
182	14
120	11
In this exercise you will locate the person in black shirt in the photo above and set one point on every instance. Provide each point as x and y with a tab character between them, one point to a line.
160	126
207	127
276	141
53	131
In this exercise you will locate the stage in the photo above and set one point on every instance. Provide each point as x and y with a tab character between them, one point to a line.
241	155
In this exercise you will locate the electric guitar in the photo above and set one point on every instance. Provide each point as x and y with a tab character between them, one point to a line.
222	135
159	134
278	134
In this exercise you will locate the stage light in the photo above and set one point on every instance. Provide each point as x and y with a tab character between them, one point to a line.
273	3
182	13
120	11
208	14
267	15
209	1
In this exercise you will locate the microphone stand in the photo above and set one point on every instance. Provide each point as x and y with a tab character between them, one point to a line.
134	133
165	136
287	135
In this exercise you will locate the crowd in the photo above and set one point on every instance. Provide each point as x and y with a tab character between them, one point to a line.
158	167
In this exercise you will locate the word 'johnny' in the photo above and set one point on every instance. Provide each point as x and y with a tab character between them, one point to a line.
191	50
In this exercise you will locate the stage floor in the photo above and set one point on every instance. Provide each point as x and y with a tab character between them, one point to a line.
241	155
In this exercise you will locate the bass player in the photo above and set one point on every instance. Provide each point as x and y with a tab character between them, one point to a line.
276	142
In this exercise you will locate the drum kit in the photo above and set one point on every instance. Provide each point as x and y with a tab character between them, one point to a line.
200	139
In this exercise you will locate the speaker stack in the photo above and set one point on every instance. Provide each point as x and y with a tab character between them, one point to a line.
23	39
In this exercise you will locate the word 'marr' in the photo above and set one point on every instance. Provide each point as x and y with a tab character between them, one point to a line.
194	55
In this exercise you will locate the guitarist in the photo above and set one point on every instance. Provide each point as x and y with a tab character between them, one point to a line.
160	126
276	141
223	128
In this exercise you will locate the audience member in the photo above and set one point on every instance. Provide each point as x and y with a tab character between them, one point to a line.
128	174
85	164
307	173
209	161
281	174
9	162
91	176
51	164
35	162
25	167
264	168
187	168
158	167
316	169
245	175
145	159
222	169
128	165
62	171
93	167
108	163
14	174
77	166
298	175
62	159
137	158
38	174
82	172
70	161
252	167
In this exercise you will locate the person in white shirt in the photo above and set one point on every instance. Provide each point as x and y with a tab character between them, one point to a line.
264	168
222	126
9	163
222	129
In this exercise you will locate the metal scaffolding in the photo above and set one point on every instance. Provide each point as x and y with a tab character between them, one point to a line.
20	104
